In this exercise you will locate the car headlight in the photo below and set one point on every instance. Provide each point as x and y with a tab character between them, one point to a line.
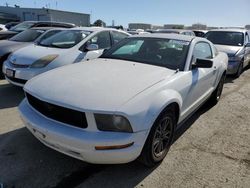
114	123
44	61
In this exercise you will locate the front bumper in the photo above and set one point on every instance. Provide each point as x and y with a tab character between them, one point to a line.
21	75
233	67
80	143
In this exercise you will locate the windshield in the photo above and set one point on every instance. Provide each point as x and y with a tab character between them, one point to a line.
22	26
167	53
29	35
65	39
226	38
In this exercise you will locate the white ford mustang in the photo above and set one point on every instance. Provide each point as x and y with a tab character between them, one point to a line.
128	103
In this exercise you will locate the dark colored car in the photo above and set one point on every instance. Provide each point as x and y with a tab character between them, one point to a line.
11	24
24	39
199	33
30	24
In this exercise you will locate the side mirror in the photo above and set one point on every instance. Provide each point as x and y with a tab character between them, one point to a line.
92	47
248	45
202	63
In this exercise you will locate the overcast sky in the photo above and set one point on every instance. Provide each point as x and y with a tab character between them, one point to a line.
187	12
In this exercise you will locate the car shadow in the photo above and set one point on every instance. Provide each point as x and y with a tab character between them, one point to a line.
24	157
10	96
190	121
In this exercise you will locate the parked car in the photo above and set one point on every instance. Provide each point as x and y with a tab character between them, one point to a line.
24	39
175	31
29	24
200	33
128	103
67	47
234	42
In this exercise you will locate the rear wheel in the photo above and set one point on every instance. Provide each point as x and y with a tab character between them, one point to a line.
1	71
159	139
239	71
216	95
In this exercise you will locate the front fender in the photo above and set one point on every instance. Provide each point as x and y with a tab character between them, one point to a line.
143	111
161	101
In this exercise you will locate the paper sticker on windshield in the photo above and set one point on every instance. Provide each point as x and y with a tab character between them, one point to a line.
179	42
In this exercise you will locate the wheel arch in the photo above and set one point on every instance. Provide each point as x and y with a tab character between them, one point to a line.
167	99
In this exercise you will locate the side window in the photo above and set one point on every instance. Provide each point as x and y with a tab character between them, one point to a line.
102	40
118	36
247	38
202	50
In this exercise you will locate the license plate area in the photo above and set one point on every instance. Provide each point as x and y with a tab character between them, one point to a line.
10	73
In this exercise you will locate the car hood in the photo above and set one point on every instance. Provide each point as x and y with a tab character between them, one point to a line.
7	46
230	50
97	85
31	53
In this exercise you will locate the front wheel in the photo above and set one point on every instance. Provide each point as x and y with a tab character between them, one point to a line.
239	71
159	139
216	95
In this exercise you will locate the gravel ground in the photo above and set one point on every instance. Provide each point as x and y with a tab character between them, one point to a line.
212	149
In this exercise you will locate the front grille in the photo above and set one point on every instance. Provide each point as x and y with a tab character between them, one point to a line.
58	113
17	80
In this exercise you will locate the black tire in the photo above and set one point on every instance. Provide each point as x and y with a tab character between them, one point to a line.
159	139
239	71
1	71
216	95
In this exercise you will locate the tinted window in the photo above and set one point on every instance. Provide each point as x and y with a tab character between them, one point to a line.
118	36
160	52
102	40
247	38
202	50
226	38
29	35
65	39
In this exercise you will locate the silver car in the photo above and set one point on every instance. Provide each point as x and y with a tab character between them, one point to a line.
24	39
176	31
234	42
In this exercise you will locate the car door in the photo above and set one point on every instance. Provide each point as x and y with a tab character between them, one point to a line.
201	79
102	39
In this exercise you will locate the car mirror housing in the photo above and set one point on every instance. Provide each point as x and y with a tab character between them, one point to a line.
202	63
92	47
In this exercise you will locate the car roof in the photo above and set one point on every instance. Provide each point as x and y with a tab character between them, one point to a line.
47	28
230	30
94	29
177	30
166	36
